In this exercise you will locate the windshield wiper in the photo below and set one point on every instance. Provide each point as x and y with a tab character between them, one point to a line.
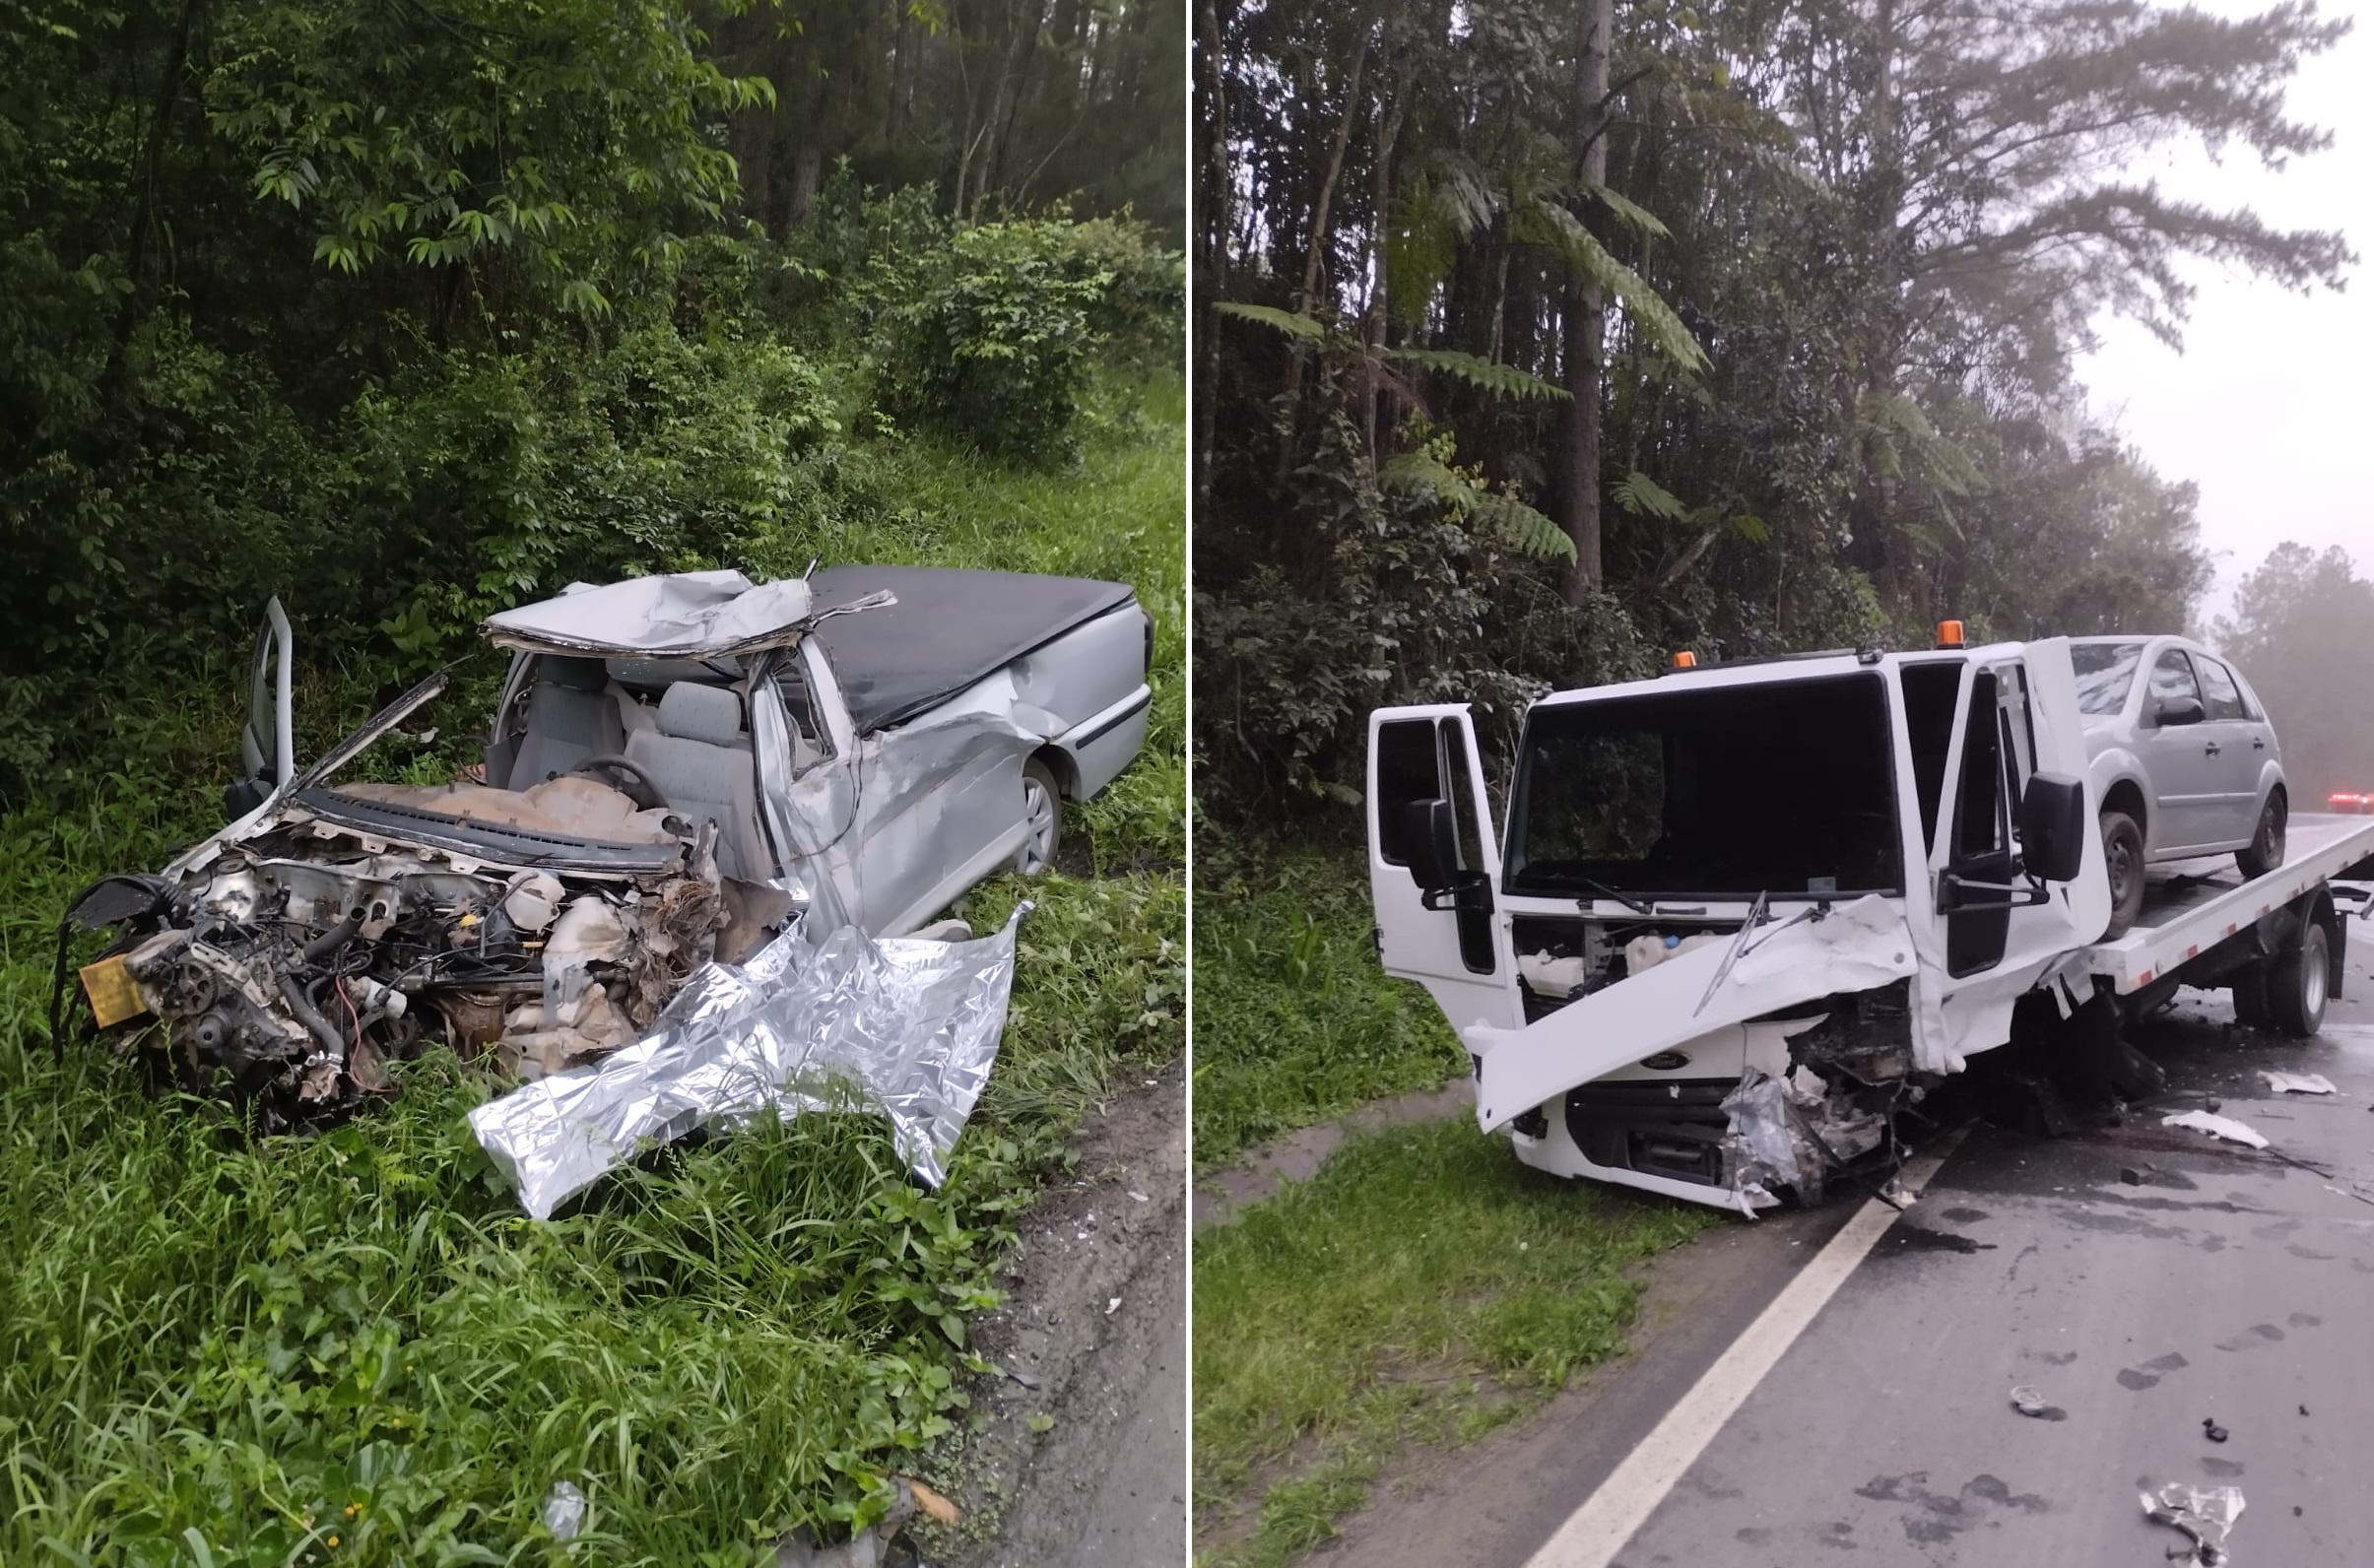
1606	891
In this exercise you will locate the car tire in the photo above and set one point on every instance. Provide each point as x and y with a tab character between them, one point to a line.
2123	860
2265	851
2296	984
1042	812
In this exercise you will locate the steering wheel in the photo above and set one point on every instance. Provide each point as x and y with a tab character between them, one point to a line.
634	782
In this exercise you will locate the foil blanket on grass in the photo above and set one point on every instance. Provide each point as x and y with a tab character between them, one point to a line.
910	1026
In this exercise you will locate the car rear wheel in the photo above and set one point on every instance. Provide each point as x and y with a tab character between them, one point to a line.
2296	983
1042	813
2265	851
2123	858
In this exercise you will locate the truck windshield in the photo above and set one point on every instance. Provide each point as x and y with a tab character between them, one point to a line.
1720	792
2105	669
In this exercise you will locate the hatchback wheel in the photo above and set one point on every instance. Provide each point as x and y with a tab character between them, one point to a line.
1042	812
2265	851
2123	858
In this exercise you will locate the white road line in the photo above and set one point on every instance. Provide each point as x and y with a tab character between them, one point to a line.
1595	1533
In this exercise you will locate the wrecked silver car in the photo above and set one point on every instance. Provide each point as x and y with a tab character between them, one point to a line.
680	768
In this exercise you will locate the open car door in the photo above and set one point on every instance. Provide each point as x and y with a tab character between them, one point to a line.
1432	861
267	746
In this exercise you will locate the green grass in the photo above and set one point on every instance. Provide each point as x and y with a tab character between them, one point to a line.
1294	1022
1423	1288
213	1353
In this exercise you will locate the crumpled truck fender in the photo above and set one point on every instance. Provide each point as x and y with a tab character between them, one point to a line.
1801	959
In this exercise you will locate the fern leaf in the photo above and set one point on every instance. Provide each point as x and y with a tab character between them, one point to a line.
1503	380
1630	213
1547	224
1751	528
1527	529
1643	496
1291	323
1426	475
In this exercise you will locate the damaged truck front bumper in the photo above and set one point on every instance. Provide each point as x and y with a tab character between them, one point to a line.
1770	1062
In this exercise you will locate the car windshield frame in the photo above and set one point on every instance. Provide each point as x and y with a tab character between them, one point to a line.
1745	819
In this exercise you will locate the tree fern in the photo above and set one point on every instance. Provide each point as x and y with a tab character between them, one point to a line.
1643	496
1503	380
1561	232
1291	323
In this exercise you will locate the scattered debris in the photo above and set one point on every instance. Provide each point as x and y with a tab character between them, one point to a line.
870	1547
1029	1380
2224	1127
939	1508
2303	1409
1112	1306
564	1510
2297	1083
2130	1176
2211	1430
2029	1401
2204	1514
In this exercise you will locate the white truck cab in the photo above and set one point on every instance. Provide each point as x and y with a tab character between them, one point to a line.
1737	917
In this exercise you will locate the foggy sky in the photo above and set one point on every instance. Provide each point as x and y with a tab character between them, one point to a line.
2266	409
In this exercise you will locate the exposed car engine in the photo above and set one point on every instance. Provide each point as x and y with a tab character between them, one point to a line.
286	971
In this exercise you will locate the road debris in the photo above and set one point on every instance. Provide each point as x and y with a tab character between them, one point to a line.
2211	1430
1112	1306
2204	1514
2029	1401
564	1510
2297	1083
2224	1127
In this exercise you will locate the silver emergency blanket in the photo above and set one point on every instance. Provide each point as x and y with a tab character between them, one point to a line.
912	1027
681	615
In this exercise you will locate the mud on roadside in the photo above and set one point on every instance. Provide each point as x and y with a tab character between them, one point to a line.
1105	1481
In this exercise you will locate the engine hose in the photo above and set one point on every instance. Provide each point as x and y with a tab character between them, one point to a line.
330	941
310	1016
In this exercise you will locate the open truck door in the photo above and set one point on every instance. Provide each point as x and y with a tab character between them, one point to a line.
267	746
1432	861
2019	881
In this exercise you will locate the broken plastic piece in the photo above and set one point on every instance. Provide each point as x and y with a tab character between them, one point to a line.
2206	1514
2029	1400
2211	1430
564	1510
2224	1127
2297	1084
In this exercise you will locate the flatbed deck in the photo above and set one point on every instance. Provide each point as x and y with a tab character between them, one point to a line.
2191	907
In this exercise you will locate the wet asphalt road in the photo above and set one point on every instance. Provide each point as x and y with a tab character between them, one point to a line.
2224	1284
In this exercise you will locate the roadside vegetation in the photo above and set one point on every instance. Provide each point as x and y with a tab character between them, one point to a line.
532	324
1294	1022
1423	1288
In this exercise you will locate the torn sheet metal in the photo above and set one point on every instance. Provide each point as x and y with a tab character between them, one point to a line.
684	615
2205	1514
1793	1132
2224	1127
1855	947
2297	1084
911	1026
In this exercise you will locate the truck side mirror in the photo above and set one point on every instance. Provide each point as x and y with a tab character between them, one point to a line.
2053	826
1430	838
2178	710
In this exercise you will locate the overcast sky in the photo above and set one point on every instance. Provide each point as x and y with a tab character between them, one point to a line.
2267	408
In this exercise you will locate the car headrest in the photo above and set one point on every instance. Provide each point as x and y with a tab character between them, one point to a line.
691	711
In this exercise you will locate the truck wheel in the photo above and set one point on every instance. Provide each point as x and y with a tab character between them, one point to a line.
1042	812
2122	857
2295	983
2265	851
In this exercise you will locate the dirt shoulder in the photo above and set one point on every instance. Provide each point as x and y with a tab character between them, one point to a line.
1107	1481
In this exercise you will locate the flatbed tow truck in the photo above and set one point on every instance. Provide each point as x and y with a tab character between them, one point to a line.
1738	921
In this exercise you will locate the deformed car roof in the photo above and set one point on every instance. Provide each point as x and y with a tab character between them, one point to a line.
675	615
948	629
